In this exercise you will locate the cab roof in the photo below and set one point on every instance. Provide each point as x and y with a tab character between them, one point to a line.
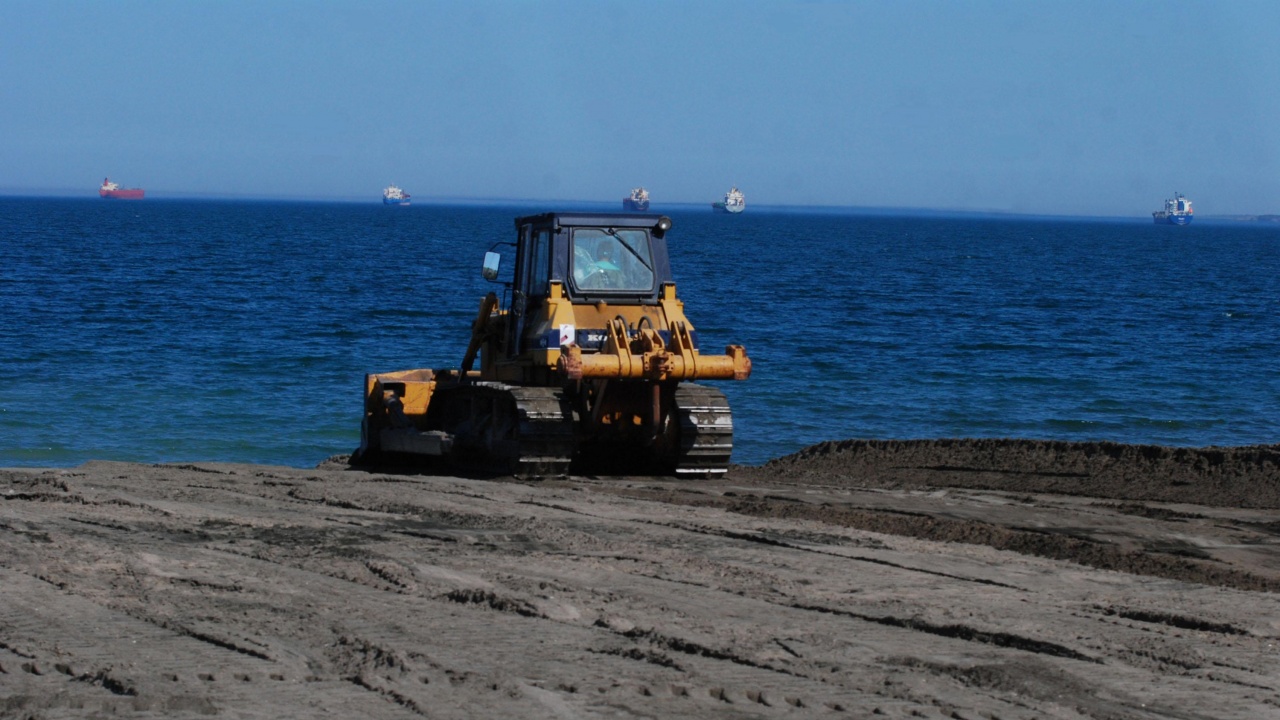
580	219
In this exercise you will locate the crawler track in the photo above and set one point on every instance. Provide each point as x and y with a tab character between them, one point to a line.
529	432
499	428
705	440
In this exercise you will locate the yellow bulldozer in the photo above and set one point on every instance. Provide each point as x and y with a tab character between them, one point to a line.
587	363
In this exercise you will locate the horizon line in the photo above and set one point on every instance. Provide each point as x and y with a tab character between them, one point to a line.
67	194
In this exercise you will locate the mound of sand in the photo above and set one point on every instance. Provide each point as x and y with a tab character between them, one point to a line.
1245	477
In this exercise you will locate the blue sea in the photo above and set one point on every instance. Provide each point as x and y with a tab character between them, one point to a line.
175	331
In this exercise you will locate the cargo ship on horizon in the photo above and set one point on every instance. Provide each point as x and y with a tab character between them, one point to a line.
1177	211
115	192
392	195
637	201
733	202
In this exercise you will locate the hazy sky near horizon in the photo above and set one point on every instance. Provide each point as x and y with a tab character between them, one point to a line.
1073	108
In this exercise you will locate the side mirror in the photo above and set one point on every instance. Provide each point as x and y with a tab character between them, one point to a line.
491	262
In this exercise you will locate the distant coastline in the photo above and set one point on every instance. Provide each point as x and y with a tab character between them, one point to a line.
1246	218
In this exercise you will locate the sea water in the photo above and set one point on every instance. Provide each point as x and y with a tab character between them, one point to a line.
167	330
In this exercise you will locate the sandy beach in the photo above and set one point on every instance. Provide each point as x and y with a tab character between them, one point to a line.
935	579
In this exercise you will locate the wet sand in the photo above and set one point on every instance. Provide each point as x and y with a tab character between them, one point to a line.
937	579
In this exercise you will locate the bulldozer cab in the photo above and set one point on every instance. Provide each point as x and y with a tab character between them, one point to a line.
617	259
593	256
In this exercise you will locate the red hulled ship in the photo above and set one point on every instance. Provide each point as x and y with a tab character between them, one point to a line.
115	192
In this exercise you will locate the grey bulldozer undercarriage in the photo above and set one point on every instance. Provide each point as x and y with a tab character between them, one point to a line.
504	429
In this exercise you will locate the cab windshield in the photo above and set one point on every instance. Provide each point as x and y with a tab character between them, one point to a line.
612	260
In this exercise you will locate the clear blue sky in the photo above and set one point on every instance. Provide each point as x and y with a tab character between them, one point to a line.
1075	108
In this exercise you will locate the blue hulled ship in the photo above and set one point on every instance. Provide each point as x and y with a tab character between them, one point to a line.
1177	211
637	201
392	195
